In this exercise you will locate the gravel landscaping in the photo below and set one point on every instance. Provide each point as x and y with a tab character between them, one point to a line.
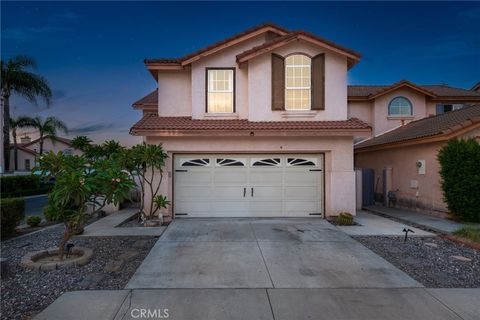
25	293
433	261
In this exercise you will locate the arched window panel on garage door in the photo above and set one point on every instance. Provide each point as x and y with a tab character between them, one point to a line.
195	162
230	162
304	162
266	162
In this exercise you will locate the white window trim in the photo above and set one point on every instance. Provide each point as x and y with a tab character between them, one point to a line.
207	91
402	115
298	88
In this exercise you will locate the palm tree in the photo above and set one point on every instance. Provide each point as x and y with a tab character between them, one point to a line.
81	143
16	79
48	127
17	123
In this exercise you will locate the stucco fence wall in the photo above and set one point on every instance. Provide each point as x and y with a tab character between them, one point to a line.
339	174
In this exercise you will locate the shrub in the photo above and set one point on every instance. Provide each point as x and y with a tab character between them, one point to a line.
50	213
12	212
460	178
344	219
20	186
34	221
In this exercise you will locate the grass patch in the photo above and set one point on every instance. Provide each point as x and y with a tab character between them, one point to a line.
470	233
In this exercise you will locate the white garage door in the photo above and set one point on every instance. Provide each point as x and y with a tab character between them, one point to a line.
247	185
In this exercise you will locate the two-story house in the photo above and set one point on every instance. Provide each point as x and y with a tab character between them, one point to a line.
263	124
255	125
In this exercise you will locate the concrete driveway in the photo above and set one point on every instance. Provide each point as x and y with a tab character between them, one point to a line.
263	253
269	269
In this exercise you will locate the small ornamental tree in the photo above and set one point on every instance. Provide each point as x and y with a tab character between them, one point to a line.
80	183
146	162
460	174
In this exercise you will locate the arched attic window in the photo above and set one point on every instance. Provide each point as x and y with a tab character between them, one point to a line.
400	106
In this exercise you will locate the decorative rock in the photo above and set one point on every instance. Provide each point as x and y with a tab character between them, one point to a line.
114	265
141	244
91	280
431	244
3	266
461	258
127	255
31	259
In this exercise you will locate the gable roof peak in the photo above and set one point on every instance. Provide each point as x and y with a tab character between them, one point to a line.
251	32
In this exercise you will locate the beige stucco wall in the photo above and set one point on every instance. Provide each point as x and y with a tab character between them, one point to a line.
260	87
22	155
339	174
174	93
182	93
428	195
380	112
223	59
362	110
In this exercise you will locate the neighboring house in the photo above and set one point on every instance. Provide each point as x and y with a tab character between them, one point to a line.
255	125
408	155
390	106
28	150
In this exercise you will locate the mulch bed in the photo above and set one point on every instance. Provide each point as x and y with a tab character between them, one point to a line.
429	260
25	293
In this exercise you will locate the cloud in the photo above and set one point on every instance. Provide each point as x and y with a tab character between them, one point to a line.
26	34
93	128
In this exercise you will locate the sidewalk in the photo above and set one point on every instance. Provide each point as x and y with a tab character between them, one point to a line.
108	226
417	219
267	304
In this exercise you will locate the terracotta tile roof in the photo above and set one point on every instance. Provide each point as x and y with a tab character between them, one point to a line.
152	122
150	99
427	127
444	90
292	36
439	90
212	46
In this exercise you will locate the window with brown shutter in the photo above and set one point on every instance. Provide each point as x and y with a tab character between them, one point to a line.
318	82
298	82
278	82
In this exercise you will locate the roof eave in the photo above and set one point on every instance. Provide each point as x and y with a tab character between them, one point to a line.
248	132
353	58
399	85
445	135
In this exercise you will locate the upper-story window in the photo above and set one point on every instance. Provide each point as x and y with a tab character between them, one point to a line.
298	82
400	106
443	108
220	90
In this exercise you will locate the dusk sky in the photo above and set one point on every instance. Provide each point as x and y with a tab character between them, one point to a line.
92	52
